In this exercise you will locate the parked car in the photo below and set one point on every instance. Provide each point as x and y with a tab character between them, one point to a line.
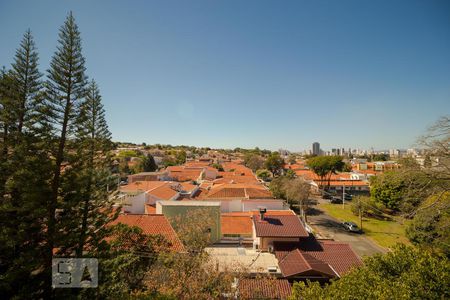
348	196
335	200
326	196
351	227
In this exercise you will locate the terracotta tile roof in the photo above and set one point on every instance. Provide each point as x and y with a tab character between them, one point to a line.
286	212
196	163
251	288
294	167
236	224
255	193
301	263
227	192
279	226
237	179
373	172
348	183
141	185
185	172
164	190
338	255
175	168
152	225
185	175
150	209
236	190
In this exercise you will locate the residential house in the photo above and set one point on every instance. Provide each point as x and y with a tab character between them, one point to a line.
313	259
155	224
270	228
177	211
263	288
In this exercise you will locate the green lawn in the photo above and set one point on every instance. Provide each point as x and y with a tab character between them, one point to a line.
384	233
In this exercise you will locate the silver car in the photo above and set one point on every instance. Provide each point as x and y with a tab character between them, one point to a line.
352	227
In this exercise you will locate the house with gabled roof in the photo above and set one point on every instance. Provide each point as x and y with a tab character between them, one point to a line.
154	224
313	259
263	288
268	229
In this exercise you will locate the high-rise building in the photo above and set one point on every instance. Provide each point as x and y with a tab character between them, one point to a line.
316	148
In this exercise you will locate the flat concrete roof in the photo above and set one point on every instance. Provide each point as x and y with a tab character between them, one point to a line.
236	258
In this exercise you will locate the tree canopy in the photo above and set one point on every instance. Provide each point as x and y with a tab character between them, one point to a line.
149	164
325	166
404	273
274	163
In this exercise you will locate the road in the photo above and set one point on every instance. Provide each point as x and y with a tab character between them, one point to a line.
327	227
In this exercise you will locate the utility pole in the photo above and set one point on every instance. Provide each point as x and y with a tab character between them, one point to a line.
343	195
360	213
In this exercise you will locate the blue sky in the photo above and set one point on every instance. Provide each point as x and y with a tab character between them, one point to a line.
255	73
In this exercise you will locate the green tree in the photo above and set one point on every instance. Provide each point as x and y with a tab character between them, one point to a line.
65	91
24	175
380	157
124	262
181	157
149	164
388	189
430	227
219	167
27	81
263	174
297	192
325	167
274	163
169	161
277	187
194	229
290	174
404	273
292	159
253	161
92	210
193	274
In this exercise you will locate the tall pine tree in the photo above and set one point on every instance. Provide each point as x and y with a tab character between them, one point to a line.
24	175
27	82
65	91
91	209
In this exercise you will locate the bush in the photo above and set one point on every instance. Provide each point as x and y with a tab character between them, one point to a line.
369	207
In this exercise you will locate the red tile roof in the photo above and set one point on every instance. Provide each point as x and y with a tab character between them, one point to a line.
236	190
236	224
150	209
301	263
338	255
152	225
286	212
279	226
164	190
348	183
261	288
141	185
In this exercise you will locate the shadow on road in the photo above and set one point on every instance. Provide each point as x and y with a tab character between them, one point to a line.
312	211
330	224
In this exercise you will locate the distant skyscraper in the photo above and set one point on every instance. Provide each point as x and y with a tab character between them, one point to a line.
316	148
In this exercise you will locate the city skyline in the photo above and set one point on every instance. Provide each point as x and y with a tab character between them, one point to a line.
247	74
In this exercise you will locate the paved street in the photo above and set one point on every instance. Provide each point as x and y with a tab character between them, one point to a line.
328	227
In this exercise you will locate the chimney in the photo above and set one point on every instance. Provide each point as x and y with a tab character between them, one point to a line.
262	211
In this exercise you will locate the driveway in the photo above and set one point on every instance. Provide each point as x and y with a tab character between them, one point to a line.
327	227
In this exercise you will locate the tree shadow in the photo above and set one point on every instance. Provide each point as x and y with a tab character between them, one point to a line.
330	224
312	211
